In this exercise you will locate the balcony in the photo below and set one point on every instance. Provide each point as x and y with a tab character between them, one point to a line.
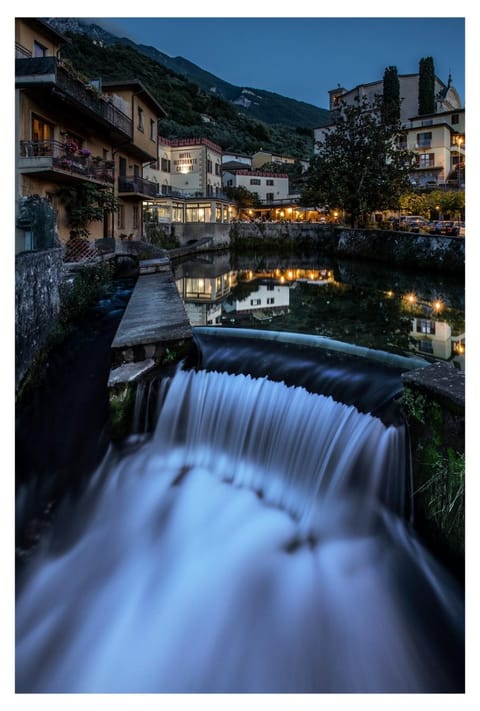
40	72
135	185
47	157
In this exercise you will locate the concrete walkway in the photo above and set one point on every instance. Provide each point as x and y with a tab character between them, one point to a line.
154	315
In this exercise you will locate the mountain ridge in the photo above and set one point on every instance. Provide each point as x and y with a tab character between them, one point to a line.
268	106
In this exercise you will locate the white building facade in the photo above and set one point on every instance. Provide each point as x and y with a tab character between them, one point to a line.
269	187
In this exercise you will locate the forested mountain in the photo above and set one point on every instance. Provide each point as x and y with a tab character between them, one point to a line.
197	103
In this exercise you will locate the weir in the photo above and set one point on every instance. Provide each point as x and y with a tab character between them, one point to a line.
254	541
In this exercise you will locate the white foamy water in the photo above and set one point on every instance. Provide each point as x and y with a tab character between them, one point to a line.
254	544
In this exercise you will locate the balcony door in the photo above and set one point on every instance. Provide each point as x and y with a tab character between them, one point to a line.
42	136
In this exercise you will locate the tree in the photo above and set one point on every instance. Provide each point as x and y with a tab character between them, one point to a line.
358	167
84	203
426	87
242	196
391	96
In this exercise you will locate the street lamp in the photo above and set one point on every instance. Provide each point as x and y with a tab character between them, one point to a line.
459	142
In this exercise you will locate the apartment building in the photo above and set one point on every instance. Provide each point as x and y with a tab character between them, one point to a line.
71	132
437	140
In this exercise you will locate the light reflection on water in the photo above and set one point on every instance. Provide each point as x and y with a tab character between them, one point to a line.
367	305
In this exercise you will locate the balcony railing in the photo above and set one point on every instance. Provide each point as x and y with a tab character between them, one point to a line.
136	184
31	70
53	155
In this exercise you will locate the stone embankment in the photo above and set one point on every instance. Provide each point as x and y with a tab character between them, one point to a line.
38	277
402	249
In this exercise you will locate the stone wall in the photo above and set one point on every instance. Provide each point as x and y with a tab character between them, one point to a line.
402	249
433	402
218	232
38	276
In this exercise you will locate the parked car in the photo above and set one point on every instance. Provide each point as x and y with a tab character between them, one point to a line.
414	223
437	227
452	229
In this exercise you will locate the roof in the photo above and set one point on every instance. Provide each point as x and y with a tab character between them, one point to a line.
139	89
233	165
46	28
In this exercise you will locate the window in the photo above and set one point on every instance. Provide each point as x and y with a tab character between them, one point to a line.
152	130
270	182
217	168
42	134
271	300
140	124
255	181
209	165
424	326
166	165
426	160
255	302
269	197
135	216
121	217
424	140
39	50
122	166
455	119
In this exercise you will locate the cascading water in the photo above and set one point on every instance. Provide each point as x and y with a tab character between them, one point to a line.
253	543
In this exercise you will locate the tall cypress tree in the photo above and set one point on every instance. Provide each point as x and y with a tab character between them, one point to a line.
426	87
391	96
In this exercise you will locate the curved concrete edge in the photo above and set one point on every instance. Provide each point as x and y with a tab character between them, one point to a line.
317	342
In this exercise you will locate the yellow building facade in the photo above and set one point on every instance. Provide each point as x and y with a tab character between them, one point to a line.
70	133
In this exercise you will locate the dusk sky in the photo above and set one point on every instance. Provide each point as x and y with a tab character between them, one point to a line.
304	57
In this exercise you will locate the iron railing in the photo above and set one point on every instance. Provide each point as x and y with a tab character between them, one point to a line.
136	184
86	96
59	158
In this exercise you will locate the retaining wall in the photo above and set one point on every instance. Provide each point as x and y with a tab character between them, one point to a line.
38	276
403	249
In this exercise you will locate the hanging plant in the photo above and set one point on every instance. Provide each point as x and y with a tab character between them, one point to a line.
70	146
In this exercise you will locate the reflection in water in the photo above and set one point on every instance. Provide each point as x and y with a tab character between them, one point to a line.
366	305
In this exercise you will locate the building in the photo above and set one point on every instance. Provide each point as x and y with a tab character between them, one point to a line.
437	140
237	158
269	187
188	178
71	134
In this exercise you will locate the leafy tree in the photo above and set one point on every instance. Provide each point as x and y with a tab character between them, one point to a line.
426	86
358	167
85	203
242	196
415	204
391	96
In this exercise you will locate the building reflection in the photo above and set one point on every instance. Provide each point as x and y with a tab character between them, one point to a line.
203	285
411	314
267	299
434	339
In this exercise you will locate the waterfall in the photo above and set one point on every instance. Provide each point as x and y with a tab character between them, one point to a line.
254	543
